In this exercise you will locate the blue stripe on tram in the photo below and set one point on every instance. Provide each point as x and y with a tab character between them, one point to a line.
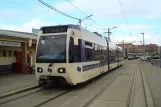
104	63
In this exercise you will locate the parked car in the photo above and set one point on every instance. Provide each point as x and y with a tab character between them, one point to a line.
142	58
130	57
155	55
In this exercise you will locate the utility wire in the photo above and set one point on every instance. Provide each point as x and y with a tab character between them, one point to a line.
76	8
58	10
93	26
124	15
66	14
80	11
123	12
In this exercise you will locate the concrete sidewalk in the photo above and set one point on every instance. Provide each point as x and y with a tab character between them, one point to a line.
153	77
16	81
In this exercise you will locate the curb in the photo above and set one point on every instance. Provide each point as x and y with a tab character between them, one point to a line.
18	91
148	96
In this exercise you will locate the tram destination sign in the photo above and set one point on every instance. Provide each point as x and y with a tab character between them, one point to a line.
5	43
55	29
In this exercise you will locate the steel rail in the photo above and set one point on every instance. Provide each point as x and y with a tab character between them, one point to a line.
132	90
93	98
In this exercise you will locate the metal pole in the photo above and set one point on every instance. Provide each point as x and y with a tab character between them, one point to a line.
123	49
109	34
108	53
143	46
80	22
160	57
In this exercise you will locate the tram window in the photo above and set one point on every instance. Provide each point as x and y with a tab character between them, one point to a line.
89	52
93	49
71	50
104	53
77	52
96	52
112	55
4	53
99	52
74	51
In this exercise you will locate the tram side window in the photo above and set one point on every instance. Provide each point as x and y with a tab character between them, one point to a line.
93	49
96	52
74	51
112	55
99	52
120	54
89	55
104	53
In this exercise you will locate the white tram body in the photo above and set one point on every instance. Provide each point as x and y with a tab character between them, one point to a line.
73	54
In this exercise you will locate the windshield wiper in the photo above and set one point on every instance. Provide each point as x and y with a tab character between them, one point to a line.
50	65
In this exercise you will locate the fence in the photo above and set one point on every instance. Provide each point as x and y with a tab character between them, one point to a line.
156	62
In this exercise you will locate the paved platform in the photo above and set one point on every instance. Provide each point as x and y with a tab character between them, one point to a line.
116	94
153	77
119	92
16	81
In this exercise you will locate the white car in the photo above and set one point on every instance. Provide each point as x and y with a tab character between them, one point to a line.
143	59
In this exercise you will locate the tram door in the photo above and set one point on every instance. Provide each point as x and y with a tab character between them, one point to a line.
101	60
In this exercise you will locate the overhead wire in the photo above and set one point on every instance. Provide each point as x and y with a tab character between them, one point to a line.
58	10
69	16
93	26
80	11
123	12
76	7
124	15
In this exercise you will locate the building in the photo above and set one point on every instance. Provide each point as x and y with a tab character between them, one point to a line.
131	48
14	48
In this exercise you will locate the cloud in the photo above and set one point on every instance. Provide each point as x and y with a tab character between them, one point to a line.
111	8
26	27
7	14
148	38
39	9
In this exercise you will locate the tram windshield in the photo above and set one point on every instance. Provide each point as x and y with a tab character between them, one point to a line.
51	49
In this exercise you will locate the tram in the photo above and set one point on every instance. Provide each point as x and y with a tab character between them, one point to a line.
71	54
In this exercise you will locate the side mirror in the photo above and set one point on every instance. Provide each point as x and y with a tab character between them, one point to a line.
75	40
75	37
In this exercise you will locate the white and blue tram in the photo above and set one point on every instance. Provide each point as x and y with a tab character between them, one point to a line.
72	54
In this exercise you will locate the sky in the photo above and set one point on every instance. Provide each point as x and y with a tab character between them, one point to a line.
141	15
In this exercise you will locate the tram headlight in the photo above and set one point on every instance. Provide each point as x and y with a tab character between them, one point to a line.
61	70
40	70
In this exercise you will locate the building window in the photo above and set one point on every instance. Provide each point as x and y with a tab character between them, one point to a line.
9	53
15	53
0	53
4	53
